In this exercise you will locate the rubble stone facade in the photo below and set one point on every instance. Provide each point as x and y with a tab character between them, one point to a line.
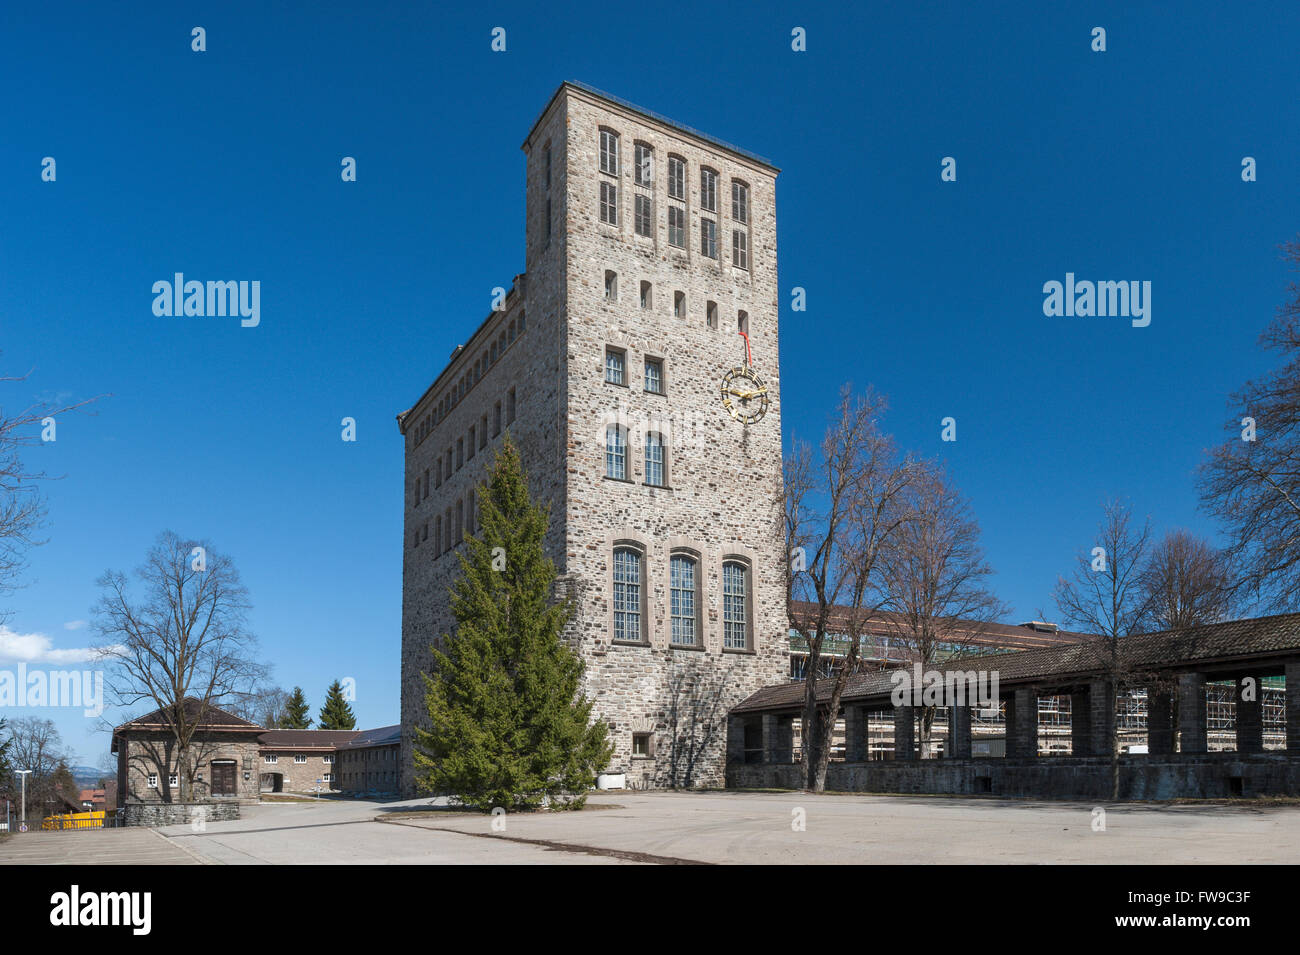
649	249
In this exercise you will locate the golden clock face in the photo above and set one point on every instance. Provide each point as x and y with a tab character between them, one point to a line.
744	395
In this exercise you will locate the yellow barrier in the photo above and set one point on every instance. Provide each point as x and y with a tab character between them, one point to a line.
74	820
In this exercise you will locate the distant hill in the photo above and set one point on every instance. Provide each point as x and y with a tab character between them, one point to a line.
88	777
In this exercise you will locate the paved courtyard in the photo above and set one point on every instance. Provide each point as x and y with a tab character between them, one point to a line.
669	828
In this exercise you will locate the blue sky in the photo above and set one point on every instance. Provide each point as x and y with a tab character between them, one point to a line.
225	164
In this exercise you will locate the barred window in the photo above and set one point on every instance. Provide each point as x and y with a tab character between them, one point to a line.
609	151
677	226
739	202
735	587
682	577
615	453
627	595
643	218
709	238
708	190
655	470
676	178
609	203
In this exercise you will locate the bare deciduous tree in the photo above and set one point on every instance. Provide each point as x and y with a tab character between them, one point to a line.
36	745
840	511
22	508
1184	583
184	638
935	576
1251	482
1105	596
264	705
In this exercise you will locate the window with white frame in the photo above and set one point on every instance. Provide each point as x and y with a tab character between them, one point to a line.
628	570
708	238
740	249
299	758
609	203
677	178
683	580
644	155
739	202
708	190
270	759
615	453
609	151
329	759
173	780
735	597
656	460
654	376
643	220
615	366
152	781
677	227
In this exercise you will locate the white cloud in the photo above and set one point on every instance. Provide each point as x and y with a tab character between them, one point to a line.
38	648
74	625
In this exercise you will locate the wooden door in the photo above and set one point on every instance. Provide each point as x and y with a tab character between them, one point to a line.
223	778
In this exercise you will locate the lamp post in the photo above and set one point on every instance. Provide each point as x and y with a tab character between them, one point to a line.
22	822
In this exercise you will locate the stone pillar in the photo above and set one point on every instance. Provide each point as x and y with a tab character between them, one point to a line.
1160	716
855	734
958	732
1250	716
1191	713
904	732
771	730
1080	724
1101	716
1293	708
1022	724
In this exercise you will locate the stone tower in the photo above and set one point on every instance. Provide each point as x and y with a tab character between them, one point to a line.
642	413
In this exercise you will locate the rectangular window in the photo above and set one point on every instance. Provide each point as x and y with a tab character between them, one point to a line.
299	758
641	748
615	453
329	759
609	152
609	203
677	226
627	595
470	445
740	202
643	218
496	419
645	170
152	782
615	367
460	453
270	759
676	178
654	460
173	780
679	305
682	584
482	433
510	407
740	248
709	238
735	632
708	190
647	295
654	376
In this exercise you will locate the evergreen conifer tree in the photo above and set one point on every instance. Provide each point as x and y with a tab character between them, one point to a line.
296	712
506	725
336	714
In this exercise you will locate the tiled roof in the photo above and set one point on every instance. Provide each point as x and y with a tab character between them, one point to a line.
305	739
212	716
1233	639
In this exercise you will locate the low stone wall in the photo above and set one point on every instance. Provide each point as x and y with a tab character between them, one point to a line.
176	814
1047	777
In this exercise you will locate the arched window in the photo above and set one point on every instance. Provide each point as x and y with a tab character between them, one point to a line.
735	605
615	453
684	583
629	567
